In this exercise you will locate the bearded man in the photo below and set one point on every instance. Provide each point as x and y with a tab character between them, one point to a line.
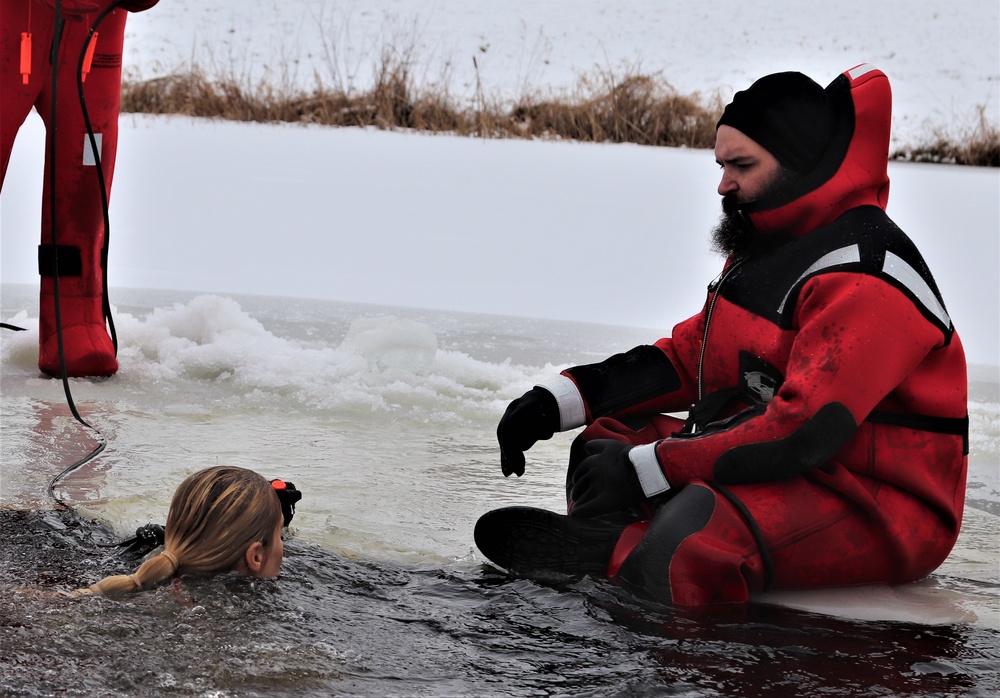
826	433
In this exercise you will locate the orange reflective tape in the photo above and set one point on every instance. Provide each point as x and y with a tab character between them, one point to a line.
25	57
88	57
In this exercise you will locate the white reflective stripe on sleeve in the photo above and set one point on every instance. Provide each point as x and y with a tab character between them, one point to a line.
845	255
89	158
902	272
572	412
647	467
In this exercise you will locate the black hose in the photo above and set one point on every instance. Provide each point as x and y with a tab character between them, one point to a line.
105	302
54	59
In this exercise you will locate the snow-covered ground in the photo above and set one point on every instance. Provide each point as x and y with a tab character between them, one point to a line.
942	56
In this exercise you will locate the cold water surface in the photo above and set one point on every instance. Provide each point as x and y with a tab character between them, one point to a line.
333	625
385	418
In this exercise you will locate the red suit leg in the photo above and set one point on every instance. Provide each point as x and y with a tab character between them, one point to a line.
710	544
17	99
697	550
79	220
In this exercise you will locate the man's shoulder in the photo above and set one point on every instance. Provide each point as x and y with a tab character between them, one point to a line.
867	227
863	240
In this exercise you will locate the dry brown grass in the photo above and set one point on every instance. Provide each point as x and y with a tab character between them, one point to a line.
977	145
606	107
632	108
391	103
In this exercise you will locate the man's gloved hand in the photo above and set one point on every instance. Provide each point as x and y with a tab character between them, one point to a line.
137	5
605	481
532	417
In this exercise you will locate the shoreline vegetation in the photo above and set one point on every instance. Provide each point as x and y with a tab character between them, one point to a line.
630	107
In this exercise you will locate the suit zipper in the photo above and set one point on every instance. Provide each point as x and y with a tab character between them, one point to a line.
714	289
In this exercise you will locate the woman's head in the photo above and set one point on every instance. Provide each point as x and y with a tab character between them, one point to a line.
222	518
217	515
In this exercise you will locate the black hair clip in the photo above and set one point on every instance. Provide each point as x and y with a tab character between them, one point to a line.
289	496
147	538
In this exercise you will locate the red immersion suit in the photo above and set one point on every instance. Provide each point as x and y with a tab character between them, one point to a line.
27	28
828	442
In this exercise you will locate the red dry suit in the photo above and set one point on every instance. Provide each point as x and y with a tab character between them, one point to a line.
79	220
827	445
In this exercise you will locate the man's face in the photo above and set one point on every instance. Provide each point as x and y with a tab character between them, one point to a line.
747	169
749	173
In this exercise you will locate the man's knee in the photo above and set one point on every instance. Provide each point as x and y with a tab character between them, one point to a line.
698	550
646	571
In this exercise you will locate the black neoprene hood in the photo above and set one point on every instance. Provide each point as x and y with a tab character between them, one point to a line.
788	114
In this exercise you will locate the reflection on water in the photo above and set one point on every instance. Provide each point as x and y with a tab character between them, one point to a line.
335	626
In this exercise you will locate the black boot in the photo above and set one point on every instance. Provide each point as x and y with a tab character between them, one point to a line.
536	542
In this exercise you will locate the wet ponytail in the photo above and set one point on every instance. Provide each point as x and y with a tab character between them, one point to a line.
215	516
150	573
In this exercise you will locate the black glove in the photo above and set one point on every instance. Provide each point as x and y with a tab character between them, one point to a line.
532	417
605	481
147	538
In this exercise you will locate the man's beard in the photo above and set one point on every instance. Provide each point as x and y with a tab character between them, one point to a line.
734	235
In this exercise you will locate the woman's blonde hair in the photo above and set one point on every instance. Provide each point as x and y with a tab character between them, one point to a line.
215	516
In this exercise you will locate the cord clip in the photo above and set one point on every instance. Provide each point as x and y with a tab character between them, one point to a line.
88	58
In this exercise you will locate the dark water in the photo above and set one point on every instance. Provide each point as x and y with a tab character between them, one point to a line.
337	626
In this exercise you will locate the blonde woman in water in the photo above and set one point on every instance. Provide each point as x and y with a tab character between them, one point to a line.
221	519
